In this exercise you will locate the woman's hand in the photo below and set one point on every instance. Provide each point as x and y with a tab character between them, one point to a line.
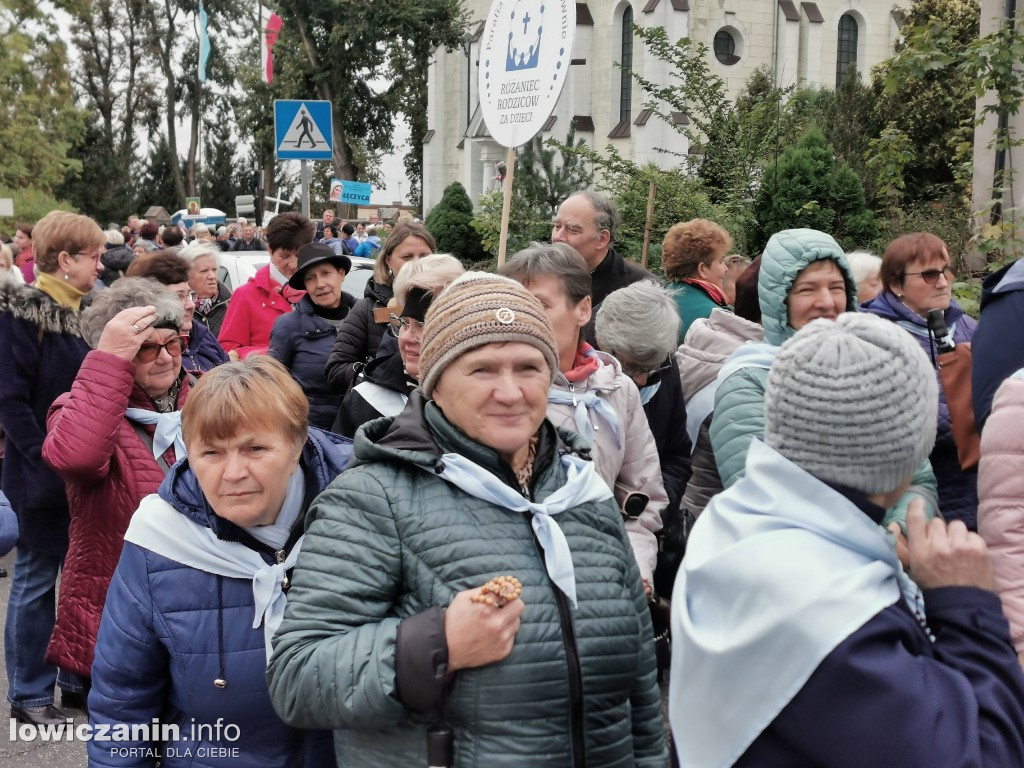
126	332
477	633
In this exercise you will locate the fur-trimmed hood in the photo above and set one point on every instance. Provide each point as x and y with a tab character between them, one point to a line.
32	305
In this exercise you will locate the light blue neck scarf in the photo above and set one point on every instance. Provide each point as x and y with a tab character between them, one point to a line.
779	570
581	403
168	430
582	484
160	528
647	393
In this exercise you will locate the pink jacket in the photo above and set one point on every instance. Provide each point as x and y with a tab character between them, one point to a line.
1001	499
633	466
251	314
108	470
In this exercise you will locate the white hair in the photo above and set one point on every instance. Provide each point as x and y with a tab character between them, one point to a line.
431	273
641	321
198	248
113	237
863	265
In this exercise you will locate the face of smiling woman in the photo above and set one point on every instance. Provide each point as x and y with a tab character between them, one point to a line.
245	477
323	284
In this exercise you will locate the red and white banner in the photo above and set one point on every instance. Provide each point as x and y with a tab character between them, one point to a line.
271	24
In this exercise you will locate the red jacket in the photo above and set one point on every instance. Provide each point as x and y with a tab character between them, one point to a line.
108	470
251	314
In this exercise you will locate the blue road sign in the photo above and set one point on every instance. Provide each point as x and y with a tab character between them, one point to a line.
357	192
302	130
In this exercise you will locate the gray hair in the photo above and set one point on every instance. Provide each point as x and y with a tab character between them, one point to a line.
640	320
556	259
197	249
114	237
431	273
124	294
863	265
606	214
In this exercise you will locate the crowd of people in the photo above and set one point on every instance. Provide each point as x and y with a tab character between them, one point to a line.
498	519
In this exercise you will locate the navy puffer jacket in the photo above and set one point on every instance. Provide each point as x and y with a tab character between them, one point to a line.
203	351
169	630
958	490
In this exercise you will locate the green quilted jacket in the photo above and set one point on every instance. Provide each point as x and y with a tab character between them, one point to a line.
739	401
389	544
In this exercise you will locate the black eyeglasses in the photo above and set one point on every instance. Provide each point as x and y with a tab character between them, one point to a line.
399	325
653	374
149	352
931	276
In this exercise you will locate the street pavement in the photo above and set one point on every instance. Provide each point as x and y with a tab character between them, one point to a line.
32	754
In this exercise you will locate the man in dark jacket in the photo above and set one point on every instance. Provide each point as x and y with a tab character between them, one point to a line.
793	612
587	221
998	343
248	241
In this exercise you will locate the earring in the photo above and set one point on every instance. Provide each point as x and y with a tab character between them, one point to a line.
66	275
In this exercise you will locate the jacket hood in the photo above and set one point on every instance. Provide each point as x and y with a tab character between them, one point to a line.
708	344
606	378
33	306
389	372
380	294
323	458
888	306
787	254
1008	279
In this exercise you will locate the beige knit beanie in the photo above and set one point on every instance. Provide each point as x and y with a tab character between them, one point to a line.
477	309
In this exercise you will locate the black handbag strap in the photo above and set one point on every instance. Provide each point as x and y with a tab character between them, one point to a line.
140	430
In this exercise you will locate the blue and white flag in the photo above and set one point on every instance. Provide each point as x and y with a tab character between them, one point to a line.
204	44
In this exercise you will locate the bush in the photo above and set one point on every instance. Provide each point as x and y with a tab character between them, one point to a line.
31	205
525	224
450	222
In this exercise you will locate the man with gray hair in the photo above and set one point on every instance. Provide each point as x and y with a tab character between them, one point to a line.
587	221
794	613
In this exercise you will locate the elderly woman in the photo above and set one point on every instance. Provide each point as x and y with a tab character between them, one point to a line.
257	304
693	257
387	629
202	580
116	258
8	270
109	440
362	331
302	340
639	325
867	271
383	387
41	348
918	276
201	351
212	296
592	395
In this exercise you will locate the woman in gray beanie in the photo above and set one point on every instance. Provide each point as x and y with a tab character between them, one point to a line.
387	629
798	618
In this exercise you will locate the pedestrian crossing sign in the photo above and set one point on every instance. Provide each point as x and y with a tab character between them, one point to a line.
302	130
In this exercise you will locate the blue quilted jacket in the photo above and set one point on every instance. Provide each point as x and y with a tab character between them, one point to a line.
169	630
958	490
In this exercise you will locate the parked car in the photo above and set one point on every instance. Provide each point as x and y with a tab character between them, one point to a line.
237	267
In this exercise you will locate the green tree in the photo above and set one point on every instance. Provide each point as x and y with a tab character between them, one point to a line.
525	224
219	146
38	119
157	185
450	222
548	172
807	187
105	187
30	204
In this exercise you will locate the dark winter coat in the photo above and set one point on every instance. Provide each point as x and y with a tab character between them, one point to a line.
214	318
203	351
613	273
169	630
108	470
358	338
386	372
116	259
958	490
41	349
998	345
302	342
362	647
249	245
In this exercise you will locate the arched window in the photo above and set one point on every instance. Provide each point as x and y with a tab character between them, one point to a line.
846	49
625	73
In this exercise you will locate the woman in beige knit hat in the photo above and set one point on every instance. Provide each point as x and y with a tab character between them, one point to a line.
387	629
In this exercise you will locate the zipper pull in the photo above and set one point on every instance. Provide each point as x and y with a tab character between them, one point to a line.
279	556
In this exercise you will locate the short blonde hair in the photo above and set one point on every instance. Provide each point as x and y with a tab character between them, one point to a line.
863	265
62	231
255	392
432	274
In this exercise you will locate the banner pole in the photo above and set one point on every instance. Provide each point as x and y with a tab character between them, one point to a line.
506	205
649	225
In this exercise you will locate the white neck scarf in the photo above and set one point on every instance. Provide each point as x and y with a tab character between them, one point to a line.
581	403
160	528
582	484
168	430
278	276
779	570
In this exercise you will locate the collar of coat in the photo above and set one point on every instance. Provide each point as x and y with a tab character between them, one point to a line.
33	306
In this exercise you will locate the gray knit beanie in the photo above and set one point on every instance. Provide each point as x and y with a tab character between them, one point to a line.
852	401
479	308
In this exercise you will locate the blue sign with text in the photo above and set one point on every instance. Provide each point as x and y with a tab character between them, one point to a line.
356	192
303	130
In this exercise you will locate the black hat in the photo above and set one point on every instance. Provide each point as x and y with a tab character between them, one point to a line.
312	254
417	302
